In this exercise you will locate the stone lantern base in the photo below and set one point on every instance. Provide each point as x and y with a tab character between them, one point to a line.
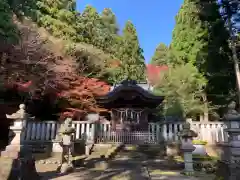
17	163
188	161
65	168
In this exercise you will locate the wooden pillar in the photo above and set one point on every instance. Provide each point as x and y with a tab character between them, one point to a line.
113	122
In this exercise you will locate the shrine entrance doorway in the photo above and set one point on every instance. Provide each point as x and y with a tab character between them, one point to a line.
129	119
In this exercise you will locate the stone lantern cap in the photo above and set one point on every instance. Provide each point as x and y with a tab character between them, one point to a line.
20	114
187	132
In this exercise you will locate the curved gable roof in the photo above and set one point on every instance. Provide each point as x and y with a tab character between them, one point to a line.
130	87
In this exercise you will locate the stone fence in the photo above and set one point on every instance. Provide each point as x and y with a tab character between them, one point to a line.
212	132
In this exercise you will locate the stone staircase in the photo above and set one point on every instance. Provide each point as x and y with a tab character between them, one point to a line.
101	153
148	151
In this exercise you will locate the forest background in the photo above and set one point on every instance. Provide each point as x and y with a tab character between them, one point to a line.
48	47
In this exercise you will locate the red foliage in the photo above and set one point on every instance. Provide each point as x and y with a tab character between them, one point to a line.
154	72
24	87
19	86
77	92
80	93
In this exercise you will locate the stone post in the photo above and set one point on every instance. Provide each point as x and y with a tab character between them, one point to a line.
187	147
90	140
17	161
229	166
92	118
232	156
234	141
56	146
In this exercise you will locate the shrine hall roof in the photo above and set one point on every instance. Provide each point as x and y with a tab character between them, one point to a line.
129	93
143	85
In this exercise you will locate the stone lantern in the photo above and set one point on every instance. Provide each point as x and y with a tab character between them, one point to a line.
17	161
187	147
66	131
229	166
232	117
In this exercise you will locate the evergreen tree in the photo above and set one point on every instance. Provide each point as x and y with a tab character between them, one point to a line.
23	8
109	21
231	15
130	55
190	34
200	38
182	86
218	66
160	55
89	26
58	18
8	30
109	30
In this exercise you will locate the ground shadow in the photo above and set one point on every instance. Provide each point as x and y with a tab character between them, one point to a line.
128	164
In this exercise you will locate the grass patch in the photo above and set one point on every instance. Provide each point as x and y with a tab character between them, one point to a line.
204	175
197	157
123	176
199	142
205	158
80	157
131	148
99	168
178	159
159	172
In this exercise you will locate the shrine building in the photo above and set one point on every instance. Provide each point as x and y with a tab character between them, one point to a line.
130	105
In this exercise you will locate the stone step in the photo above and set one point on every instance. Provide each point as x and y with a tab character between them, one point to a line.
100	156
149	151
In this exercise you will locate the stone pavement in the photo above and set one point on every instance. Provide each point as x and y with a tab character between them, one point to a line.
128	165
127	173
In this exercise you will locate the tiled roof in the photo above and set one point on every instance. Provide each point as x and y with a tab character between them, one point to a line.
145	86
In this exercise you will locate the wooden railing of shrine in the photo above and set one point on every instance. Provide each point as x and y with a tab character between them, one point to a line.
212	132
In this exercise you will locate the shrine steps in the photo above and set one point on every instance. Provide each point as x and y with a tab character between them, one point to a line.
101	153
151	151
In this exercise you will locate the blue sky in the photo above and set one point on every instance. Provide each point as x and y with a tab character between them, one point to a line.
153	19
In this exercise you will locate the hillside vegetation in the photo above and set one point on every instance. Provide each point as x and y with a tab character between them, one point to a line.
89	40
52	45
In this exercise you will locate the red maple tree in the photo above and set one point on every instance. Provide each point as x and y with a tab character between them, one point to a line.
80	93
153	73
38	64
75	94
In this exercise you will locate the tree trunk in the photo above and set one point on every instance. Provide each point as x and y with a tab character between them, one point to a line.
205	110
236	68
204	116
234	56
